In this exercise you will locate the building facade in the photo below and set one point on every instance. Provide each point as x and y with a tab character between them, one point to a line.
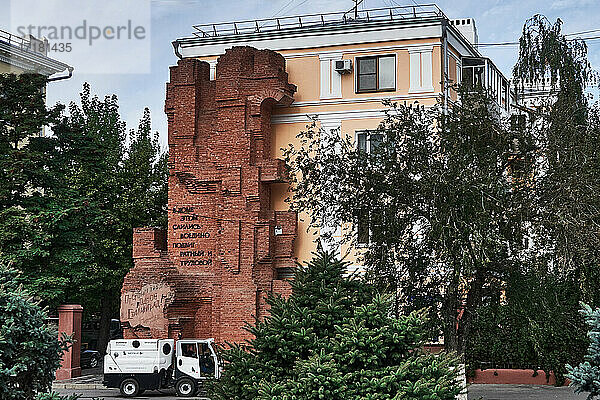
20	55
240	93
28	55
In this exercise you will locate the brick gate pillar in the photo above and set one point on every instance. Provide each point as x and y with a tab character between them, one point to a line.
69	322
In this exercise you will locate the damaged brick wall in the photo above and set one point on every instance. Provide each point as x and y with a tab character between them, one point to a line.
210	272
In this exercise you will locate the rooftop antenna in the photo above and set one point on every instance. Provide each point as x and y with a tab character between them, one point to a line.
355	8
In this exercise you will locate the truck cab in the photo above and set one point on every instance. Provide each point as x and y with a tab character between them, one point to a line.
196	362
136	365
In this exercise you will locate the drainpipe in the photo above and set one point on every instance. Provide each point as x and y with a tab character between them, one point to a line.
176	46
60	78
445	62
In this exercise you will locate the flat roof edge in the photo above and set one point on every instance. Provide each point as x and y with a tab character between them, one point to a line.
41	61
316	30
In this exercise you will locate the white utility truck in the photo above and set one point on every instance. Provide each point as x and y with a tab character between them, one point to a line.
136	365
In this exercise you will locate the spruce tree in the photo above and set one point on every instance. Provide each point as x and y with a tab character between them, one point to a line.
586	376
29	350
333	338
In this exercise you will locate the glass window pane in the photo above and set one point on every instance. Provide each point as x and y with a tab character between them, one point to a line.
363	226
189	350
467	76
366	66
362	141
387	72
367	82
478	76
375	139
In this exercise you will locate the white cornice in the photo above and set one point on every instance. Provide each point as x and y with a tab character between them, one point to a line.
331	118
358	100
30	61
359	50
420	49
323	56
328	117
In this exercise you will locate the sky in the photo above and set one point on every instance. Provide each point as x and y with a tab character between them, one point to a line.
138	73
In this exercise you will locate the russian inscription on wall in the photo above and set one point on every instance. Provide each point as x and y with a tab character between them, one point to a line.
192	237
139	306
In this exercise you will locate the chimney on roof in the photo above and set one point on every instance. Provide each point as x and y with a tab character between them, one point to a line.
466	26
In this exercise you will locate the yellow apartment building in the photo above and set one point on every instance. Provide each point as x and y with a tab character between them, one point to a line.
345	64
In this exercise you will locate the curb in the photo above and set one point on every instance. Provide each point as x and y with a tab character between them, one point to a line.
75	386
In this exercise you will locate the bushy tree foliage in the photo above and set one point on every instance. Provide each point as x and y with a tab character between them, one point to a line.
585	376
106	183
492	221
537	325
72	198
332	338
530	327
23	114
437	198
30	351
565	207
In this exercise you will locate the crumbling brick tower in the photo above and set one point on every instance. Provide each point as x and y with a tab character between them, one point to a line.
210	272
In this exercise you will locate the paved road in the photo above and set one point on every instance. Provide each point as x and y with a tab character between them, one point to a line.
476	392
114	393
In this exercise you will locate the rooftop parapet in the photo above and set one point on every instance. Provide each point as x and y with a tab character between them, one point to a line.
317	21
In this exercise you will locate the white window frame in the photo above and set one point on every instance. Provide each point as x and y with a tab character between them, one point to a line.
421	69
330	80
355	62
213	69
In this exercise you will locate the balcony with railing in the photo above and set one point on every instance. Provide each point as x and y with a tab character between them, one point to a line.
481	72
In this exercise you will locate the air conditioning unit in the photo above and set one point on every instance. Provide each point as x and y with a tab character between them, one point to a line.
343	66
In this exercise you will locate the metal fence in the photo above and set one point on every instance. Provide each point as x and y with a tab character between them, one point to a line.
317	20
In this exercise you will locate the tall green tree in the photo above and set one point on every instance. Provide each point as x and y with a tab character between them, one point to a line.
70	200
23	116
565	206
537	324
107	183
334	339
432	199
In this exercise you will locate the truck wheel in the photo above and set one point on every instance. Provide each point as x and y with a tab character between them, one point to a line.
130	387
185	387
93	362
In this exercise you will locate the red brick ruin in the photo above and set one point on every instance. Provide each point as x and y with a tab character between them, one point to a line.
210	272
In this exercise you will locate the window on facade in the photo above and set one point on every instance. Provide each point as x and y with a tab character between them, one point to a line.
368	141
362	226
376	74
504	95
473	71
